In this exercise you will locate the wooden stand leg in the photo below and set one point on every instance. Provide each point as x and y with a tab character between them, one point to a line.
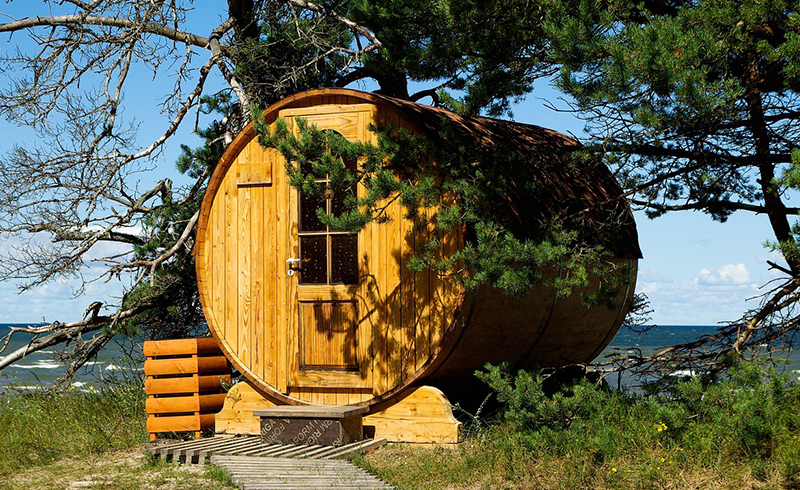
236	416
424	415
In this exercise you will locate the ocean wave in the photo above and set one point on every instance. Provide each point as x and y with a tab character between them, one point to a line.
39	365
25	387
114	367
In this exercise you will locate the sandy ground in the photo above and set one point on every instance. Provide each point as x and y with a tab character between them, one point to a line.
118	470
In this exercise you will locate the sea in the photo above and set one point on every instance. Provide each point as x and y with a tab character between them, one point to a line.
122	359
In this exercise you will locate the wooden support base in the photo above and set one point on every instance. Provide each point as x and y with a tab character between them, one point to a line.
236	416
423	415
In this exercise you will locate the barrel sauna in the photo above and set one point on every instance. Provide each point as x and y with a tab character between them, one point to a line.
354	325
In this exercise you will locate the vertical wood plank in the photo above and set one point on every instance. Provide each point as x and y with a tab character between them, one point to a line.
438	308
282	282
379	303
271	282
257	259
451	243
368	314
244	275
406	238
218	261
292	250
393	252
231	262
422	288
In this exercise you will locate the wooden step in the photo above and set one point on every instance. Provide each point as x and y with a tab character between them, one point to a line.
198	451
255	473
311	425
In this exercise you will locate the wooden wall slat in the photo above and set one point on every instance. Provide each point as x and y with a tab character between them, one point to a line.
422	289
244	275
438	300
282	234
231	263
292	340
409	305
394	321
271	279
257	296
216	242
367	316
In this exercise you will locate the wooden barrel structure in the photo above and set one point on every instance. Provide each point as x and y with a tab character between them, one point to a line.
354	325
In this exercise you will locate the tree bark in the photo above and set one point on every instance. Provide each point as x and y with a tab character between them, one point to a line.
775	209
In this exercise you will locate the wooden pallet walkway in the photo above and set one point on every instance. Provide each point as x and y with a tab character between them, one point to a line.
199	450
265	473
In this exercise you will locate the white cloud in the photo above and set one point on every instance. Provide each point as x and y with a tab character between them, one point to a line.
713	295
731	274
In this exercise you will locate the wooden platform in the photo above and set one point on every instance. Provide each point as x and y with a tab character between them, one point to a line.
199	450
260	473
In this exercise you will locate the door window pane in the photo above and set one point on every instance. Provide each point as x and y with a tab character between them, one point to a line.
337	201
344	259
308	213
314	260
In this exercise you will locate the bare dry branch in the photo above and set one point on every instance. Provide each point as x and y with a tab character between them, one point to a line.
80	21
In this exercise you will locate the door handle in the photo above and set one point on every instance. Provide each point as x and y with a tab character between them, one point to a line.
291	263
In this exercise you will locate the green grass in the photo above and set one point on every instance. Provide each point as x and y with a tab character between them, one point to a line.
740	433
39	428
90	439
743	432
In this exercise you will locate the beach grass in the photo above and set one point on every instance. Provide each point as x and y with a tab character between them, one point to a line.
92	438
40	427
736	433
743	432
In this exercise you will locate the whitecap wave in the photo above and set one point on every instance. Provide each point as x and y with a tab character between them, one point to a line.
39	365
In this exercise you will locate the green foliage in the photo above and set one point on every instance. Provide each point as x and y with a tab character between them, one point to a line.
740	432
748	416
471	187
290	54
41	427
455	43
695	102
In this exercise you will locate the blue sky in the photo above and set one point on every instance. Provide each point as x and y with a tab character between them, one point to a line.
695	271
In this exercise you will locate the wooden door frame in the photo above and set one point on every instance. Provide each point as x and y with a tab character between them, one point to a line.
295	293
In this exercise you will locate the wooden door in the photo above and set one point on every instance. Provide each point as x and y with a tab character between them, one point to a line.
329	345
